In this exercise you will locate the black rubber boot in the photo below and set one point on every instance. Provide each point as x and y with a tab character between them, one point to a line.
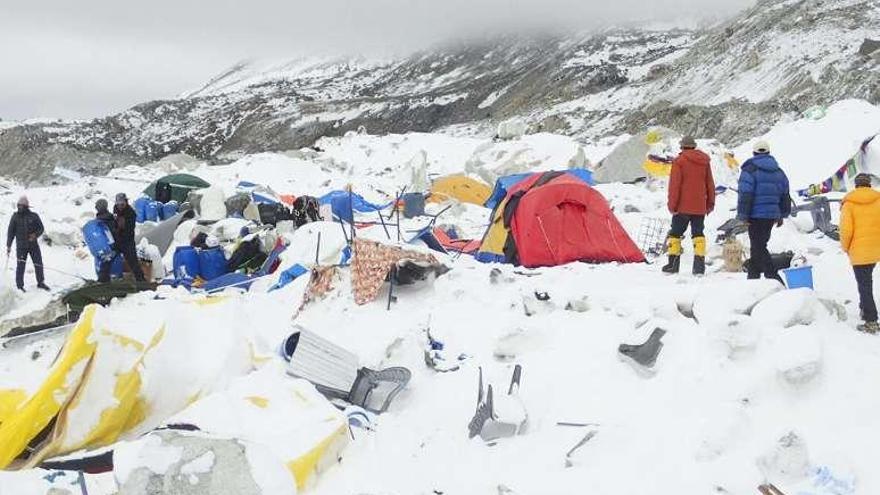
673	264
699	265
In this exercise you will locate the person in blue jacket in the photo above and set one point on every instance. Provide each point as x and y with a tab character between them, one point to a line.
763	202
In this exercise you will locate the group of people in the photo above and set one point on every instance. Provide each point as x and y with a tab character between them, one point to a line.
763	202
26	227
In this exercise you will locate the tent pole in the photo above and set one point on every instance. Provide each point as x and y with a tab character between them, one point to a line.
384	227
351	209
344	233
318	250
392	275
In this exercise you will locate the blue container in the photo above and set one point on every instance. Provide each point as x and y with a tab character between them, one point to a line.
140	208
116	267
151	213
799	277
186	263
413	205
169	209
212	263
98	238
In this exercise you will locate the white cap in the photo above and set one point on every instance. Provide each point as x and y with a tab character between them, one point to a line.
761	147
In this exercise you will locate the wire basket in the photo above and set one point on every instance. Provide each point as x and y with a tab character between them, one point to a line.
652	236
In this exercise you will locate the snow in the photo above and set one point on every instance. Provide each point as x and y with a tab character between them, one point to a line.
744	363
838	136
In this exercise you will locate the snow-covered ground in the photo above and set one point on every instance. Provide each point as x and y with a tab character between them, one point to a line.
753	383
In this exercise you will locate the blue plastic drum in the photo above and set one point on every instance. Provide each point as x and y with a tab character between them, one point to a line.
152	212
140	208
169	209
186	263
212	262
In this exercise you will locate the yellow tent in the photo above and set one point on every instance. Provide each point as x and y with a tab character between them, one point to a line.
657	168
461	188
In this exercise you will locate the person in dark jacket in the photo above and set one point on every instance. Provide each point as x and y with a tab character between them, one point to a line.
691	197
763	202
126	218
103	214
25	228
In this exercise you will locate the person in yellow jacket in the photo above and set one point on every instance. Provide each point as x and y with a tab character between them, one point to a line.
860	239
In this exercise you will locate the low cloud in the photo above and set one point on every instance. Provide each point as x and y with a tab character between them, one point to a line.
90	58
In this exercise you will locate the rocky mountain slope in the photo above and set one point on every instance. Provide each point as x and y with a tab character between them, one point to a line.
731	81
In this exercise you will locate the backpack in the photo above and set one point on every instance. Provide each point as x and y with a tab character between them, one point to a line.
305	210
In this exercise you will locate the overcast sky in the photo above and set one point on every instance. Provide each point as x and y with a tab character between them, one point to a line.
89	58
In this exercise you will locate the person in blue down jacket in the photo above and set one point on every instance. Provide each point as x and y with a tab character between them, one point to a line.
763	202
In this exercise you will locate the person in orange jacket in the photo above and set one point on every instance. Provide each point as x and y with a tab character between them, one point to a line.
860	239
691	197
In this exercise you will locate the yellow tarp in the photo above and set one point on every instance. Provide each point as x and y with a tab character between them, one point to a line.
657	169
460	188
64	379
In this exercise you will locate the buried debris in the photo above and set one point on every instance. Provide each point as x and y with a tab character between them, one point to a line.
770	489
644	355
505	418
335	372
568	455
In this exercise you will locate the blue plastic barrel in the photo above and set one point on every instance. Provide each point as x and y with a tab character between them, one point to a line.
799	277
413	205
98	238
151	214
169	209
140	208
186	263
116	267
212	263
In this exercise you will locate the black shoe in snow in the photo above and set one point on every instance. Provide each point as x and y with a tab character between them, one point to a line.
44	287
871	327
699	265
672	265
22	289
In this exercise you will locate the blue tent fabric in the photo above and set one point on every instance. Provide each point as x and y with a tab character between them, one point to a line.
342	207
239	280
257	192
427	236
289	275
503	184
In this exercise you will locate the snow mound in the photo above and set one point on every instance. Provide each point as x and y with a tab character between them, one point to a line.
718	303
789	308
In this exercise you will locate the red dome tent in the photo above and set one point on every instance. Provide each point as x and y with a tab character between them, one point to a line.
555	218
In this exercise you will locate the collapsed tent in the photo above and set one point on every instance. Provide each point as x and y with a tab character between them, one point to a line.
259	194
161	235
554	218
504	184
177	185
460	188
639	157
344	203
102	294
866	160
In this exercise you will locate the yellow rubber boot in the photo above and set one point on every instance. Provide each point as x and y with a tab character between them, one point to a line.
699	255
674	250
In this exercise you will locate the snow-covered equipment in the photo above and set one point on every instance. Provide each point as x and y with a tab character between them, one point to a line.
733	254
799	277
413	205
212	205
630	161
819	208
170	209
644	355
498	418
335	372
459	188
152	211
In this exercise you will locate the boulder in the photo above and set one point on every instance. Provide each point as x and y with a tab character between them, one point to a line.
196	464
511	129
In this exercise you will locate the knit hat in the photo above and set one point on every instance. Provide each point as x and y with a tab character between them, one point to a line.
101	205
863	180
23	201
121	198
762	147
688	143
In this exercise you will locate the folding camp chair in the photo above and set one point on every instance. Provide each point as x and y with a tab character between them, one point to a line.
334	372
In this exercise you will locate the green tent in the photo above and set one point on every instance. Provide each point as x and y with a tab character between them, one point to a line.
102	293
181	185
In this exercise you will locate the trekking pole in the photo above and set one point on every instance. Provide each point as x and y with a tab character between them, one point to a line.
318	250
384	227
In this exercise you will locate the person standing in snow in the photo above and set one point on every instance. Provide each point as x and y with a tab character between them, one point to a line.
124	235
102	213
691	197
25	228
763	202
860	239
